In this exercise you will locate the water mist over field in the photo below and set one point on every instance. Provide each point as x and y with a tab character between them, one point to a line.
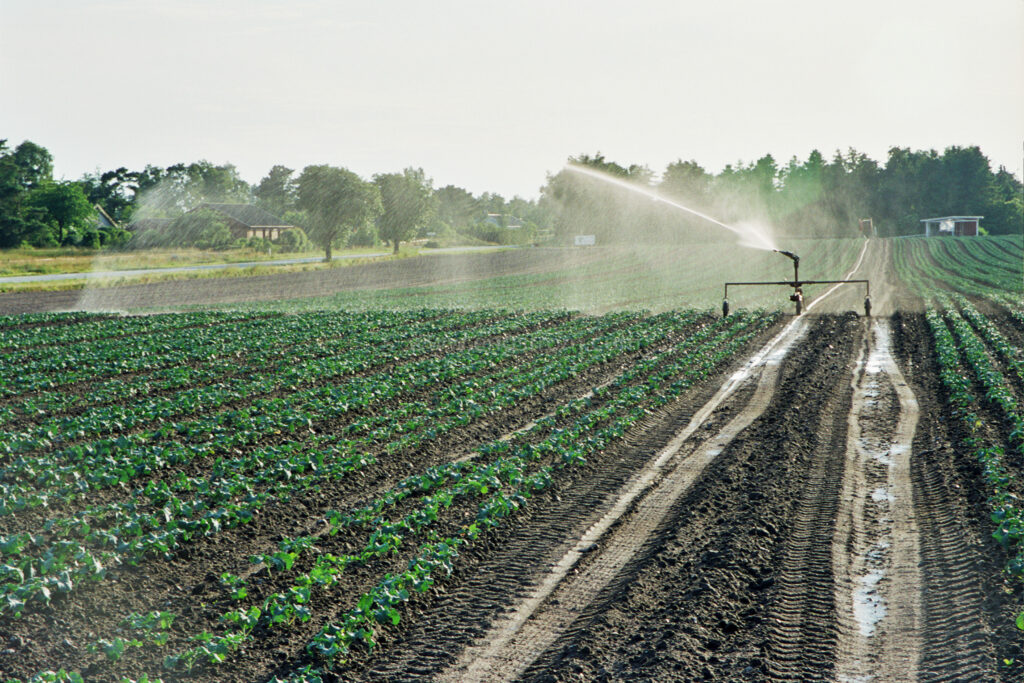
652	250
754	235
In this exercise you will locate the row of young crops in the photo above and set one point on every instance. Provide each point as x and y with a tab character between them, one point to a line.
114	462
983	374
988	267
981	366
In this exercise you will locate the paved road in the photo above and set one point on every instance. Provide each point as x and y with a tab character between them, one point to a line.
215	266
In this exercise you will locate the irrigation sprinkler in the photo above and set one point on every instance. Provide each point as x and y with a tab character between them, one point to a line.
797	284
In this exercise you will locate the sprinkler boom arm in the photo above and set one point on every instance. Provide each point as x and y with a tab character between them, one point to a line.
798	292
797	284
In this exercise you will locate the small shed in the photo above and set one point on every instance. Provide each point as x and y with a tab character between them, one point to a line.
957	226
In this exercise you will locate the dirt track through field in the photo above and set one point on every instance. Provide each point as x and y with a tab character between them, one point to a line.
876	553
850	606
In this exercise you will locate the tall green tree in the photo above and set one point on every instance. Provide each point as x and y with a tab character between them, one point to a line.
277	191
686	181
850	184
408	202
33	164
23	170
1004	212
67	208
905	193
456	207
171	191
19	221
336	202
798	201
578	204
598	162
967	179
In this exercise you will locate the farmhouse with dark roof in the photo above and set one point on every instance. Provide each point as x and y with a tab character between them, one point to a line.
245	220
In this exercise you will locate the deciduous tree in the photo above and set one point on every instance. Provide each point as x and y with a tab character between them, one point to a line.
336	202
277	191
66	206
408	202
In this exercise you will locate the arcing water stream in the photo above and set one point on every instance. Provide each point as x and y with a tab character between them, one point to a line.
754	236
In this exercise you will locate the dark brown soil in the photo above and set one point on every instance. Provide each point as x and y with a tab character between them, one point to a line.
705	603
697	605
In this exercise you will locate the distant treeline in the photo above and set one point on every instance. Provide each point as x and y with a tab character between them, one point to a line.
815	197
336	207
333	205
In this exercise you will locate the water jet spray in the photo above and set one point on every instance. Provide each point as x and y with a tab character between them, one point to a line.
749	236
753	236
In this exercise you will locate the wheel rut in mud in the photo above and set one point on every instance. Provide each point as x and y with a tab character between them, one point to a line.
637	510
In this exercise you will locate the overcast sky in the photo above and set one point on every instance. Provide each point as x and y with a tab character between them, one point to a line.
490	96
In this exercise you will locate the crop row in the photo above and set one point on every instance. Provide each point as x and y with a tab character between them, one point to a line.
501	477
929	267
48	343
999	252
467	397
512	471
174	520
966	261
1008	353
31	480
279	340
172	347
953	350
502	485
263	373
12	322
19	369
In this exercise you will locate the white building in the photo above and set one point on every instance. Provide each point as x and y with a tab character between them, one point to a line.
957	226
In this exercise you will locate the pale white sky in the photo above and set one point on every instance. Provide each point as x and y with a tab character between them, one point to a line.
492	95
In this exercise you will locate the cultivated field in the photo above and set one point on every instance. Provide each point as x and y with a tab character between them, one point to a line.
593	280
434	470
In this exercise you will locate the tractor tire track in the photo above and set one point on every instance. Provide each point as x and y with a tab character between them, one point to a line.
800	643
693	603
954	646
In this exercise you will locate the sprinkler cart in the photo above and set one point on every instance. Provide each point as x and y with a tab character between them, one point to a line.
797	284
